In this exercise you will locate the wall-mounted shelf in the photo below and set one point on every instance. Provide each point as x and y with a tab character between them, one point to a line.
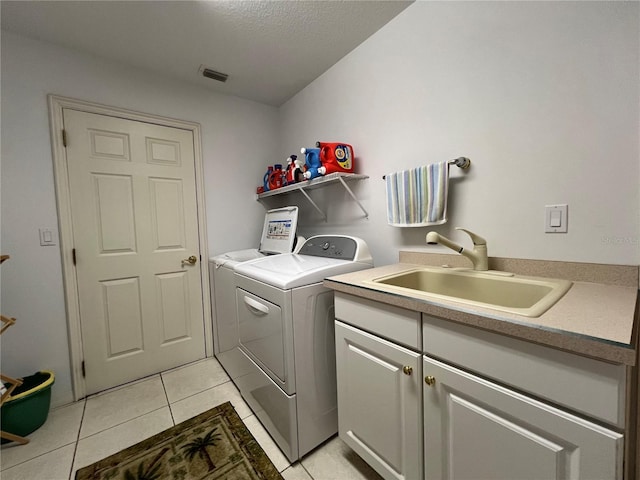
330	179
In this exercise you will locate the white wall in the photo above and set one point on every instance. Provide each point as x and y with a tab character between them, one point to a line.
238	139
543	97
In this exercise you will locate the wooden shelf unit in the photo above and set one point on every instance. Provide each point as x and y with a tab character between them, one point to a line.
13	382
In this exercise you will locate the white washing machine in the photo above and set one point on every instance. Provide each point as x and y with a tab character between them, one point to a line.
278	236
286	331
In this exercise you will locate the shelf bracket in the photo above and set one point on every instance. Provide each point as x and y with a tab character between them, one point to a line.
344	184
324	217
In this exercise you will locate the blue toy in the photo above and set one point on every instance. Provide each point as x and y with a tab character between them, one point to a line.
312	160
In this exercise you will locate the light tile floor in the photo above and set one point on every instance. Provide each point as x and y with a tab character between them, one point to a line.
79	434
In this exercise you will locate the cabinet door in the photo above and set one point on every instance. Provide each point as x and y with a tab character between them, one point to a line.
379	402
475	429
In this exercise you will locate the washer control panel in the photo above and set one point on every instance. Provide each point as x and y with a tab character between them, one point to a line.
330	246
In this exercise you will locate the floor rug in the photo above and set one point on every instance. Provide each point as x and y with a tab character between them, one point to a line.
213	445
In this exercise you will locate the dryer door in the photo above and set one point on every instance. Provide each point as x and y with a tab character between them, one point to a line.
261	333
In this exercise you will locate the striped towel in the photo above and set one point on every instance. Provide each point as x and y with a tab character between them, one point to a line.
418	197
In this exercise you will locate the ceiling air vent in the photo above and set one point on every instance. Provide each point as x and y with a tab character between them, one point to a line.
209	73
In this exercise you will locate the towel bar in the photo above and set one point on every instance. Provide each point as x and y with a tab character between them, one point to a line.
461	162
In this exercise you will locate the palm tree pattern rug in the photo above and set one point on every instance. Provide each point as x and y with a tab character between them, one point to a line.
213	445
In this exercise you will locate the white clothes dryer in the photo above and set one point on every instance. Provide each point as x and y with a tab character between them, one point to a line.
286	331
278	236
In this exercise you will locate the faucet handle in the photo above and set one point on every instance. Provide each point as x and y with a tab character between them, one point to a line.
476	239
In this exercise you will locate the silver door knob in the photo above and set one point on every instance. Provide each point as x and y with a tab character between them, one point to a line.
191	260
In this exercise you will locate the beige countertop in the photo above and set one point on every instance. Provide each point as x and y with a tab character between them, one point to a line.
596	317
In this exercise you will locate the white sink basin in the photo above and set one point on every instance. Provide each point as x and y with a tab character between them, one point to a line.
528	296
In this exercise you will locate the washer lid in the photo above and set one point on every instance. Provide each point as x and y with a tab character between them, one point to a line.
279	230
291	270
232	258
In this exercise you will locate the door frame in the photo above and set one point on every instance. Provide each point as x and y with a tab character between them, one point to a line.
63	203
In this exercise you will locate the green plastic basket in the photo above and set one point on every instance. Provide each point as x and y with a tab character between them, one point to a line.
28	407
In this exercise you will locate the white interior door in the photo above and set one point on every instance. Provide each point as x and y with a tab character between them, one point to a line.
134	214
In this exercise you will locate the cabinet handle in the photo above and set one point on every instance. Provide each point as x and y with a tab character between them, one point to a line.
429	380
407	370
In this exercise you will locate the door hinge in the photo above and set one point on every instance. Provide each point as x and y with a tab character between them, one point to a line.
84	371
64	137
73	255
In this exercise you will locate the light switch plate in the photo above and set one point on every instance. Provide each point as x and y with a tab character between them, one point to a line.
555	219
48	237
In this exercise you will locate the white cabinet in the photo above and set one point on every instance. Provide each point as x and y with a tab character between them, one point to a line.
475	429
548	414
379	376
379	402
493	407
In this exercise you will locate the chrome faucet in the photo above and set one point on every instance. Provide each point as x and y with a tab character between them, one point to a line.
478	255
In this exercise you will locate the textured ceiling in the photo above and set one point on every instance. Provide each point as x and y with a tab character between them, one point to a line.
270	49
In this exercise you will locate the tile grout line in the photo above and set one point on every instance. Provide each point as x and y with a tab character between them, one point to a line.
123	422
35	457
75	449
201	391
26	460
166	395
121	387
4	471
305	469
128	419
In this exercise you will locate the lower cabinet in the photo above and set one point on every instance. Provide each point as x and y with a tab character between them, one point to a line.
379	402
423	398
475	429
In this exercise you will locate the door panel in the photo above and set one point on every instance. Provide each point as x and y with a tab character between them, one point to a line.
110	145
167	213
469	456
163	152
174	308
123	320
134	212
114	213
